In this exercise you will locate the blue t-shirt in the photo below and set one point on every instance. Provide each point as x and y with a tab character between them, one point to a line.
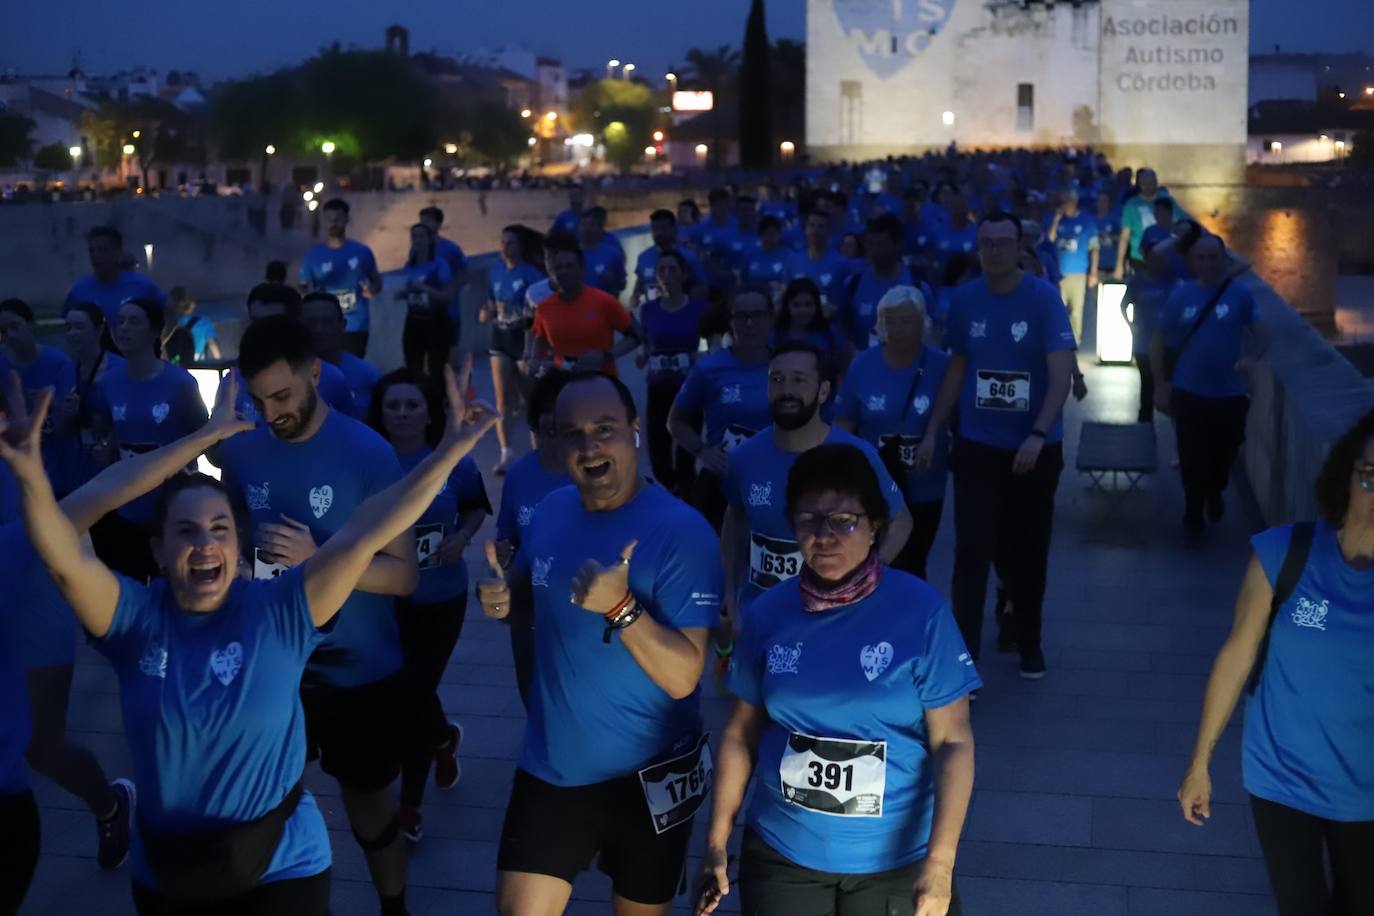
950	241
1074	241
110	296
605	266
463	492
761	270
864	292
874	397
319	483
594	714
61	453
1006	339
566	222
147	414
646	266
1108	240
341	271
37	627
827	273
1308	725
507	287
860	675
202	332
527	483
212	713
716	243
730	396
360	376
756	483
451	253
435	274
1207	365
1146	296
673	338
918	237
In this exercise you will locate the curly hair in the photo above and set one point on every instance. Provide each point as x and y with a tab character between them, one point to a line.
1332	487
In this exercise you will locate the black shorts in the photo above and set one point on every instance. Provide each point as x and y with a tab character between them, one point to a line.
507	341
359	733
557	831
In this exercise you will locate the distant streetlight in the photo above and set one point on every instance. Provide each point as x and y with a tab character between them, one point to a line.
658	136
701	150
1369	90
137	134
947	118
271	150
327	147
428	163
1340	146
551	116
611	66
625	73
1340	95
526	113
319	186
787	148
308	196
671	78
532	141
650	151
312	206
450	148
74	152
128	149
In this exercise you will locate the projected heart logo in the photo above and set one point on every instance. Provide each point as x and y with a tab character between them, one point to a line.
889	34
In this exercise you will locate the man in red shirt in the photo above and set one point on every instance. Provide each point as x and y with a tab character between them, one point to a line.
575	328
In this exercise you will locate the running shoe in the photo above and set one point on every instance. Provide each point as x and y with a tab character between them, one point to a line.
447	769
1032	664
112	833
412	823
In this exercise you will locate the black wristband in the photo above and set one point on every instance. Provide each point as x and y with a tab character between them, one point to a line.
626	617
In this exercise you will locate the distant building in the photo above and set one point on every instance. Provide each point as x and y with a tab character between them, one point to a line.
53	104
1288	132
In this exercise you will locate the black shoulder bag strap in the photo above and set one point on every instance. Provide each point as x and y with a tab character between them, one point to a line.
1294	562
1177	349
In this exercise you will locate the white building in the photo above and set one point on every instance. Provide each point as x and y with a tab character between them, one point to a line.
1161	82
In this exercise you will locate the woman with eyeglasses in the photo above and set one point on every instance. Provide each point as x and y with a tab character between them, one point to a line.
852	686
724	400
1301	656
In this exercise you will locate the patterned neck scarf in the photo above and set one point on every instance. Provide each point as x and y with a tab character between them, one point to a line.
818	595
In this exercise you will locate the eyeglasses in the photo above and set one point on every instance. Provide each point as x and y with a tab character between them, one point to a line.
749	317
1365	474
839	523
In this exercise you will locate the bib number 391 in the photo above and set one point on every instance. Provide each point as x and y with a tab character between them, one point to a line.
676	788
835	776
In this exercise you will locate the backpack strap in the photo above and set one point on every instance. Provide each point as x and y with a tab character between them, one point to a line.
1294	562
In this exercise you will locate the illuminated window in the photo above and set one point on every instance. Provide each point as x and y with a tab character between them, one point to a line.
1025	106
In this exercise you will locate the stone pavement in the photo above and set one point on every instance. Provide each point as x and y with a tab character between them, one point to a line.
1073	811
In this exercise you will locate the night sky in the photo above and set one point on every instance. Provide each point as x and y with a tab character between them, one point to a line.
223	39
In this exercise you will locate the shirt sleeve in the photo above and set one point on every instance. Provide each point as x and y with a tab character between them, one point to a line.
471	491
691	397
132	618
945	671
689	579
1271	547
195	413
745	680
846	405
730	485
386	469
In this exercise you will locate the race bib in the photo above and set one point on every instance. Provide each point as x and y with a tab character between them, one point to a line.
427	541
417	299
264	568
905	448
348	298
675	789
670	362
1003	390
735	436
772	560
834	776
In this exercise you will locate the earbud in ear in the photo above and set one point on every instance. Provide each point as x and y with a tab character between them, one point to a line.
636	440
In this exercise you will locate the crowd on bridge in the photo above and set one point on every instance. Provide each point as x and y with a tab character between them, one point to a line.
280	575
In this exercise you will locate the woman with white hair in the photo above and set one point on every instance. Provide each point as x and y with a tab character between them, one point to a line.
886	398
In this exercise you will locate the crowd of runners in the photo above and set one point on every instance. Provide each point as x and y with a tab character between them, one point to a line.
826	356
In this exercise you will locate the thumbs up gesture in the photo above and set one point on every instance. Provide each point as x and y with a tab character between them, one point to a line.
600	589
494	590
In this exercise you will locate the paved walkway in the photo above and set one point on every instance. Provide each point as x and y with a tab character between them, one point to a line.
1073	811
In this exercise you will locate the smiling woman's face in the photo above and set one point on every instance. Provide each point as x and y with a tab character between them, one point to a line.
198	548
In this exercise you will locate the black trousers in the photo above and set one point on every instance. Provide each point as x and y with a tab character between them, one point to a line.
1147	388
1210	433
1003	516
708	497
925	522
673	467
773	885
522	652
124	546
1294	845
428	634
355	342
426	341
19	842
294	897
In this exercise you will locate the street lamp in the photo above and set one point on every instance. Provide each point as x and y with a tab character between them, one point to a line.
75	153
128	149
625	73
787	148
319	186
450	148
611	66
270	150
327	147
947	118
551	116
649	151
428	163
658	136
672	79
137	134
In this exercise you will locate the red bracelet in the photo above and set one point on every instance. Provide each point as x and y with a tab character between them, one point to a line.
620	608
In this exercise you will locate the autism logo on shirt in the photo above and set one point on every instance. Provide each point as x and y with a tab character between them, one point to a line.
978	329
1018	331
517	284
118	411
731	394
784	659
160	412
258	498
761	495
1308	613
877	403
921	404
1190	311
524	516
154	661
353	263
321	498
539	572
1222	310
875	659
226	663
825	279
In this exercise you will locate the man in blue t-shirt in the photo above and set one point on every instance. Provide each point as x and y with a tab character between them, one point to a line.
604	258
42	367
346	268
1211	327
757	543
1010	369
624	582
566	222
1074	236
446	250
301	475
109	285
663	229
820	263
324	317
884	269
714	239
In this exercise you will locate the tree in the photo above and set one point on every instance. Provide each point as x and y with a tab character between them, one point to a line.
166	134
52	158
788	75
485	131
717	71
1362	151
14	138
371	98
622	112
755	97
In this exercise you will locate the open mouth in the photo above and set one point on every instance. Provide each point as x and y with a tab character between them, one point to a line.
205	574
596	470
